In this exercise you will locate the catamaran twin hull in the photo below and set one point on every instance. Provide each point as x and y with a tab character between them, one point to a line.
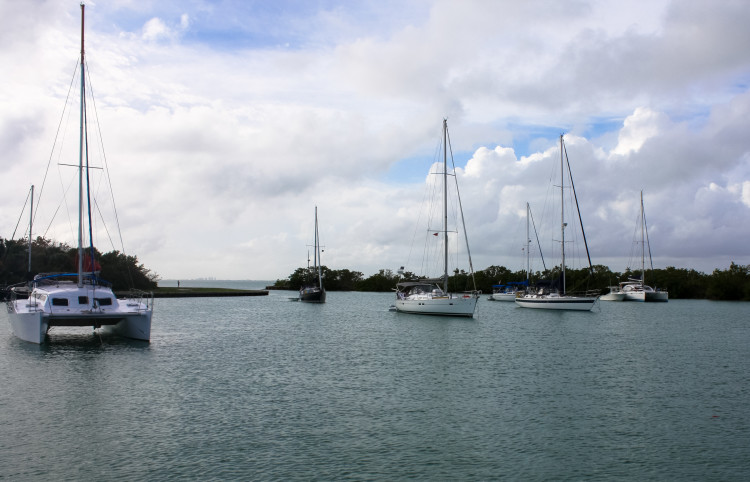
33	326
647	296
66	305
453	306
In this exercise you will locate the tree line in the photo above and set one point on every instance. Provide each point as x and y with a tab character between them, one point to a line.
729	284
126	272
123	271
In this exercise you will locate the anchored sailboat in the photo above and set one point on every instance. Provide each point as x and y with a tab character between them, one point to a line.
430	296
557	298
313	291
81	298
514	289
636	289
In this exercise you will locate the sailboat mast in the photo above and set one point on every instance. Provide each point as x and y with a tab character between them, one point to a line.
528	246
317	249
445	203
562	213
643	246
31	222
315	240
80	163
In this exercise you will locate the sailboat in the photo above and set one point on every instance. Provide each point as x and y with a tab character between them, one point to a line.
314	292
636	289
557	298
430	296
513	289
81	298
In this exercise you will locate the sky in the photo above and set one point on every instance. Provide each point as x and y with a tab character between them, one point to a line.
224	123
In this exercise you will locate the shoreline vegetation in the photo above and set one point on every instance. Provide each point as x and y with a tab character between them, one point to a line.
732	284
125	273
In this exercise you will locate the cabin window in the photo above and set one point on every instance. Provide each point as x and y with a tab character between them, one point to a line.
83	300
59	302
104	301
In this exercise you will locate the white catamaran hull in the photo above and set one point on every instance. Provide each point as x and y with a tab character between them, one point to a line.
657	296
31	327
135	326
647	296
453	306
557	303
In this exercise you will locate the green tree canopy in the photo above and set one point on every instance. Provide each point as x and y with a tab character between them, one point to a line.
124	272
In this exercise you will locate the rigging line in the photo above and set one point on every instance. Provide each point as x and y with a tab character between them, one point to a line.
106	229
461	209
21	216
537	239
64	201
54	143
104	157
425	193
645	226
109	182
429	263
633	242
580	220
88	178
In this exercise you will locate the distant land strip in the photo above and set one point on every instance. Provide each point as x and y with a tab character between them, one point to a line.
201	292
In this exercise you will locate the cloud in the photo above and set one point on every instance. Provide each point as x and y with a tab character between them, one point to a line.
224	127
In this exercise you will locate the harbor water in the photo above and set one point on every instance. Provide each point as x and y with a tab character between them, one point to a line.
264	388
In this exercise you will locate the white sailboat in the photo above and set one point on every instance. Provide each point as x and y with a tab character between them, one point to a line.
514	289
314	292
636	289
430	296
557	298
81	298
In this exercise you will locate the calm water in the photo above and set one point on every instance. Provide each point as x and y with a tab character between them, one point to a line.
267	389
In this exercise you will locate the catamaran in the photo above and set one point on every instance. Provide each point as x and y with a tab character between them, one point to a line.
81	298
636	289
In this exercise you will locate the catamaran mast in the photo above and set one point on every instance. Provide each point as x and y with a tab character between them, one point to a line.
562	212
31	222
643	246
80	163
445	203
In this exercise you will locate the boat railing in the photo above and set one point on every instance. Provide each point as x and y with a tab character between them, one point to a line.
55	278
15	294
143	300
469	294
584	293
